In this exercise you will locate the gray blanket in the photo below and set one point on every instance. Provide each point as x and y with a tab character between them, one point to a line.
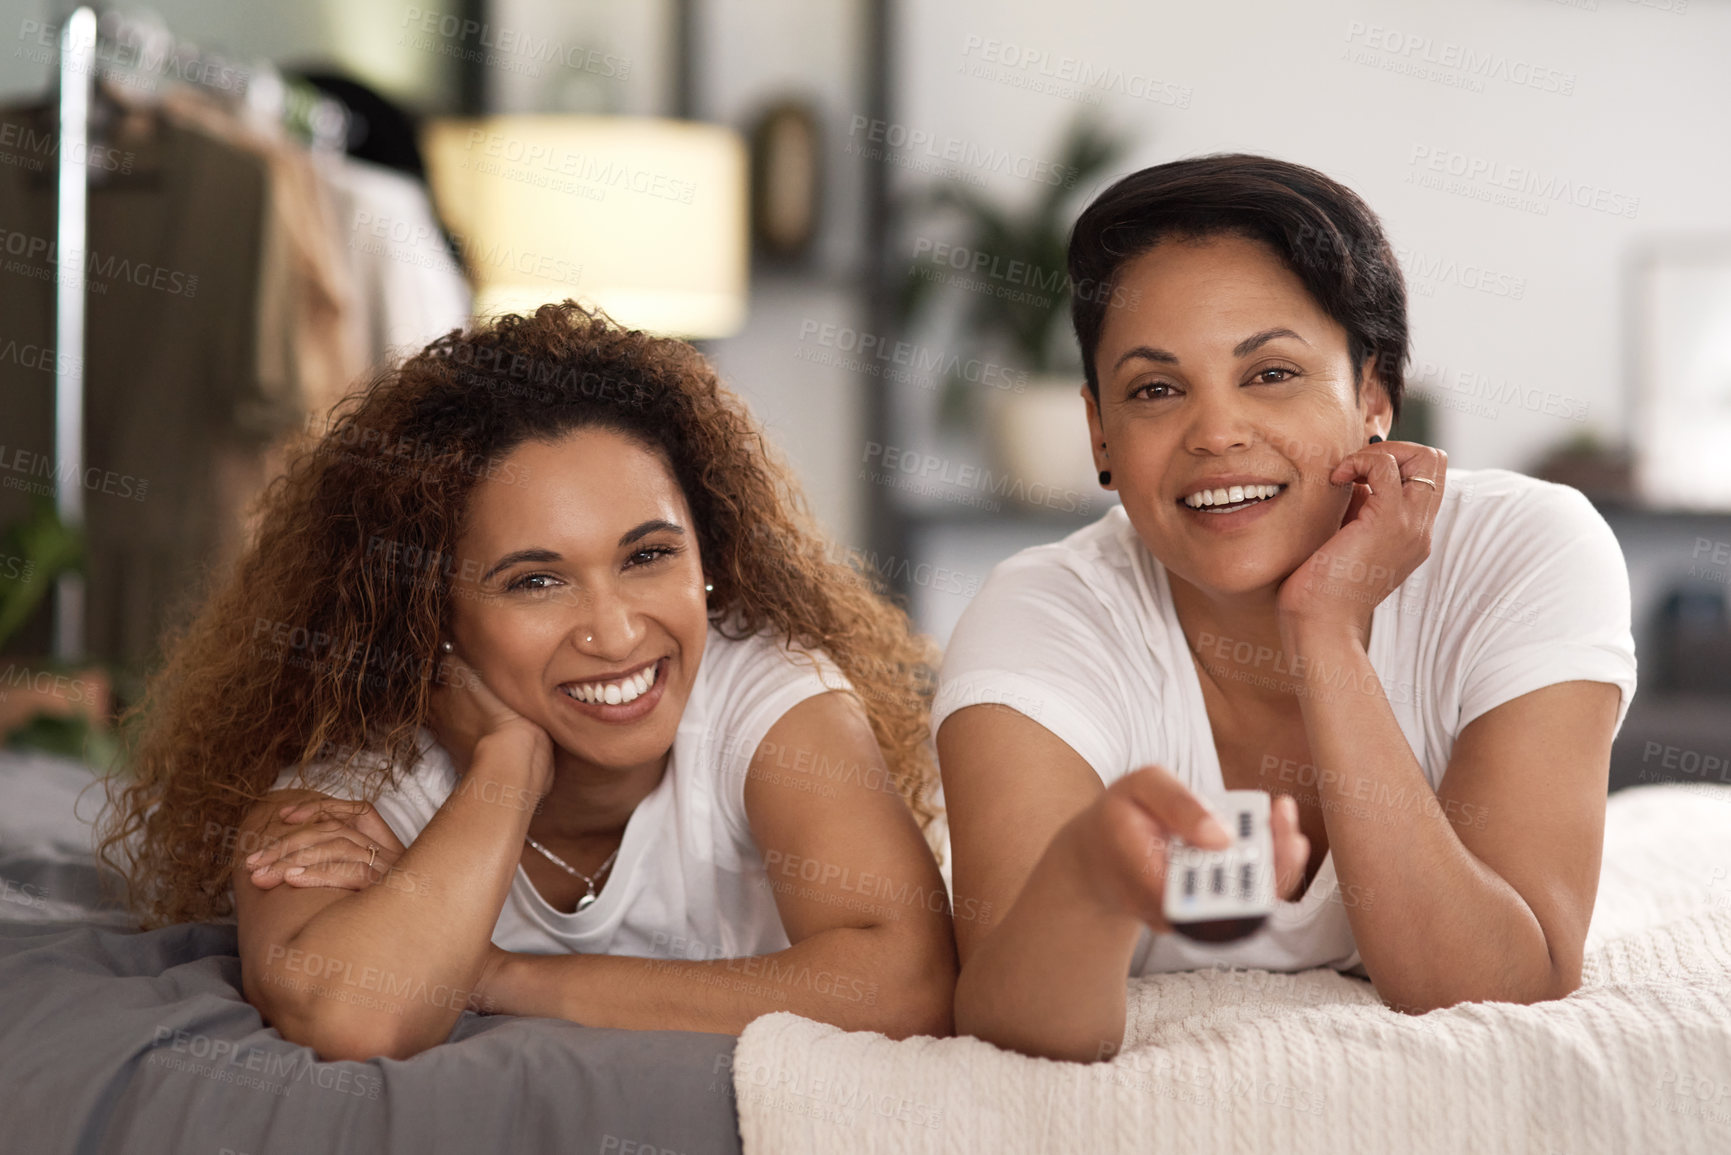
115	1041
141	1043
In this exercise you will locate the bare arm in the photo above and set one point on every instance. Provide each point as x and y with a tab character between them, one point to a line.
858	891
1010	786
387	970
1076	869
1484	888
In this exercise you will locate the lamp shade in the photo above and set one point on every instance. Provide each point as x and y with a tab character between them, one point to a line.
645	218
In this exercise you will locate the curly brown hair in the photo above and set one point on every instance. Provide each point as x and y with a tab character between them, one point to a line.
349	630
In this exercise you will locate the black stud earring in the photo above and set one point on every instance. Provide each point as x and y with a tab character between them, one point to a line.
1105	477
1375	437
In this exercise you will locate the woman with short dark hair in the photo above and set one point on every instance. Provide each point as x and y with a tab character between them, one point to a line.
1425	666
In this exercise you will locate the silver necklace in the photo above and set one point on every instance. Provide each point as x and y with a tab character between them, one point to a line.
572	870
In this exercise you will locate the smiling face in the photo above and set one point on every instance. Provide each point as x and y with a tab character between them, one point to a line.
1225	375
579	598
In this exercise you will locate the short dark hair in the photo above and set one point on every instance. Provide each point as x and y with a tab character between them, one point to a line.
1326	235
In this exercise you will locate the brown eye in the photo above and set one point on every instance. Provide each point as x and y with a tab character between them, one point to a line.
523	583
651	554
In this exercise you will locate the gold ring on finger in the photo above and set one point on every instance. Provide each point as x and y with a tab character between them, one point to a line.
1420	480
372	853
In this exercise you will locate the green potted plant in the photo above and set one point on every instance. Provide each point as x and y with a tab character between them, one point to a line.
1008	270
42	705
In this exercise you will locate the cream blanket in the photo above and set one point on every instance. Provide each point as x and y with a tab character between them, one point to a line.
1637	1060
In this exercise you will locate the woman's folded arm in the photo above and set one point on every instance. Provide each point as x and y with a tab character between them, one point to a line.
388	969
1485	892
860	978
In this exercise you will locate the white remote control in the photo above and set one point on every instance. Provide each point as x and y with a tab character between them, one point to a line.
1223	895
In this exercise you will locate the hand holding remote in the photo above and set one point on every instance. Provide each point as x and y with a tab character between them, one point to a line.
1227	894
1122	840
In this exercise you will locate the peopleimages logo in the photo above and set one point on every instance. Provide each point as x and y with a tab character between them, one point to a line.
917	148
1467	62
25	147
568	170
1425	271
1487	394
505	42
965	483
225	1060
901	360
135	61
88	267
1481	175
23	464
1042	283
1069	77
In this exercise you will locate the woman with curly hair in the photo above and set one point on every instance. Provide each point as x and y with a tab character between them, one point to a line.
538	693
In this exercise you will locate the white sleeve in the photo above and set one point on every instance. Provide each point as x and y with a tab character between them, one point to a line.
760	679
326	777
1038	640
406	809
294	779
1549	604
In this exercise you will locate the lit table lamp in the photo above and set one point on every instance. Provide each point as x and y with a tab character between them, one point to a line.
646	218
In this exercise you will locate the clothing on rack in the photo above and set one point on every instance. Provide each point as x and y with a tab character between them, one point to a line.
410	287
306	293
356	272
379	131
405	265
233	294
172	389
404	260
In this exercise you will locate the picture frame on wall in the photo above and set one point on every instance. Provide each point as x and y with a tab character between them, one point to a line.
1680	298
786	181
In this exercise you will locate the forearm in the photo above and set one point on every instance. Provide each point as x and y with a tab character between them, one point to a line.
858	978
1049	979
391	968
1433	924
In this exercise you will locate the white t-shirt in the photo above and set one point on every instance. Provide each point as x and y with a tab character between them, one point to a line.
1525	586
689	881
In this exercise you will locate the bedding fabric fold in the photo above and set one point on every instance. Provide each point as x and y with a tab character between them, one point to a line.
1637	1060
141	1043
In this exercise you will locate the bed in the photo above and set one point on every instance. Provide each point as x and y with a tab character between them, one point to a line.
114	1040
1636	1061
